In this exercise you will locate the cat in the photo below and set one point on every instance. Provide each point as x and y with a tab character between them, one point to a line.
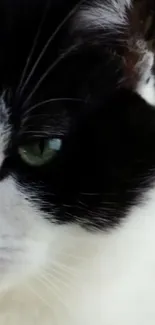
77	175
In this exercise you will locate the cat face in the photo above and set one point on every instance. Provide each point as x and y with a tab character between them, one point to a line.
76	144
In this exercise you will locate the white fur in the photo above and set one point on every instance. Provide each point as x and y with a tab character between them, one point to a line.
104	14
146	89
70	276
61	275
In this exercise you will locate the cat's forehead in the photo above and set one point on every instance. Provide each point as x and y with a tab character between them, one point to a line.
25	28
38	62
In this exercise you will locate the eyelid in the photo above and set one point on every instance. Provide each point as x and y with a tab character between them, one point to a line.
34	138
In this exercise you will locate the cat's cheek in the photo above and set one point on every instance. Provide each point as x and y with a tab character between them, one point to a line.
27	239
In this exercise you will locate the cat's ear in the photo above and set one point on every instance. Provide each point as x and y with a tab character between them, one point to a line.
102	14
123	27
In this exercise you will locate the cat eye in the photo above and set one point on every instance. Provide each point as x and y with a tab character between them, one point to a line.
40	152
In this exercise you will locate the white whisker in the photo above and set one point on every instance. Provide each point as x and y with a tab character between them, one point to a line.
49	42
52	287
75	257
39	296
50	101
64	268
60	277
46	73
33	49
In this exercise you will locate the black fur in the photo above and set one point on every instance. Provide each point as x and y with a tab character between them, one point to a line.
107	158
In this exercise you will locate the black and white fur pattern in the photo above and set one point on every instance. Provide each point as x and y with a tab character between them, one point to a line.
77	236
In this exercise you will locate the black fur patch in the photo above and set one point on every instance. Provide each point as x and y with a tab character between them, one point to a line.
107	158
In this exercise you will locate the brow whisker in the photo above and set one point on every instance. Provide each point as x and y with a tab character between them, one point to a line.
49	42
47	101
46	73
32	49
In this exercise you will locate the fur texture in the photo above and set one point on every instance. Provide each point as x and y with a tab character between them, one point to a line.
77	233
104	14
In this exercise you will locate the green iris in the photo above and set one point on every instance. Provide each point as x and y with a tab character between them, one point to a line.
40	152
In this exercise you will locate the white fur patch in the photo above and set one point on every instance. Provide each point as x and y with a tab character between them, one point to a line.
147	90
71	276
103	14
146	84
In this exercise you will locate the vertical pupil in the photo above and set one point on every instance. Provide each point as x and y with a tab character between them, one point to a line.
41	146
